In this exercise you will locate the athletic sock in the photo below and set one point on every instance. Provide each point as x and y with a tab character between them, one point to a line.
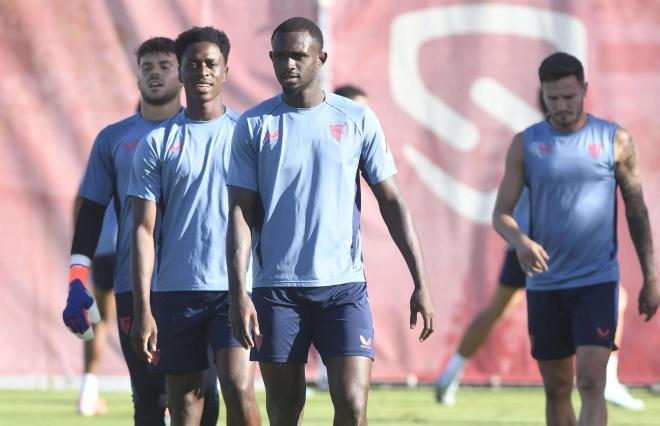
455	366
612	370
89	387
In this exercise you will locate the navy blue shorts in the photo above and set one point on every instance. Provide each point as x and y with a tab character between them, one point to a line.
149	394
103	271
187	322
561	320
337	319
512	274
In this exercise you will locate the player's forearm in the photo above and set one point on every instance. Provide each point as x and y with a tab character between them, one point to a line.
640	233
142	265
239	245
238	257
507	227
88	224
399	223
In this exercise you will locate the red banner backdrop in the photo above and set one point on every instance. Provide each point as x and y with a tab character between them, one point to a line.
452	82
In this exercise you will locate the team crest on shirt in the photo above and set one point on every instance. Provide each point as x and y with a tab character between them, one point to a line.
541	149
272	136
338	131
130	147
595	149
175	148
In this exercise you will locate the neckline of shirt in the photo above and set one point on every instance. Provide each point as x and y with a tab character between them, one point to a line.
192	121
304	110
558	132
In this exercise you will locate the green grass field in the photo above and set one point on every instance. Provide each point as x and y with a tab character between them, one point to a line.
387	406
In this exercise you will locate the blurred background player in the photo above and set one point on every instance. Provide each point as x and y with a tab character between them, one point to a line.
106	179
507	296
353	93
103	267
179	170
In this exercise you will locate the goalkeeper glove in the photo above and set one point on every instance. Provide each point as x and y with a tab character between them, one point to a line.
81	310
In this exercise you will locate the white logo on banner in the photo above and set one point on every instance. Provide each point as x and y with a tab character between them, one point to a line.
410	30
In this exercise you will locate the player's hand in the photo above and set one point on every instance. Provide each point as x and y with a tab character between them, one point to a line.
532	256
80	311
243	317
649	299
420	302
144	336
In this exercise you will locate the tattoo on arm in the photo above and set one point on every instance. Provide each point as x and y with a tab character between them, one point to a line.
627	177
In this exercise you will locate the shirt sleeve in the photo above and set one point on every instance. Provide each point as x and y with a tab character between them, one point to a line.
243	162
377	163
98	182
145	181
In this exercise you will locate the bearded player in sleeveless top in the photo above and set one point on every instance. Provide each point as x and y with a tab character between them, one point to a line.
572	163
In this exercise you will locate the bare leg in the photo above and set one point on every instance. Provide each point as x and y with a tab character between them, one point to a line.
285	392
591	364
504	299
623	303
185	398
558	385
349	378
89	403
236	374
105	299
615	392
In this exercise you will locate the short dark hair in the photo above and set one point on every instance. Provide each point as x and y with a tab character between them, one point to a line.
349	91
202	35
560	65
297	24
155	45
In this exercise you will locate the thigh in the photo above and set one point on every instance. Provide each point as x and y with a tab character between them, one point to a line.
285	382
595	314
505	299
182	319
591	364
234	368
284	325
349	377
512	274
549	325
342	324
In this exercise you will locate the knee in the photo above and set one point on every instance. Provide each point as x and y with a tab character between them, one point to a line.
559	389
590	383
350	408
239	398
285	409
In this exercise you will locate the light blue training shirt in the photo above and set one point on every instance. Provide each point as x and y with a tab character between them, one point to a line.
303	163
106	178
182	166
572	190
